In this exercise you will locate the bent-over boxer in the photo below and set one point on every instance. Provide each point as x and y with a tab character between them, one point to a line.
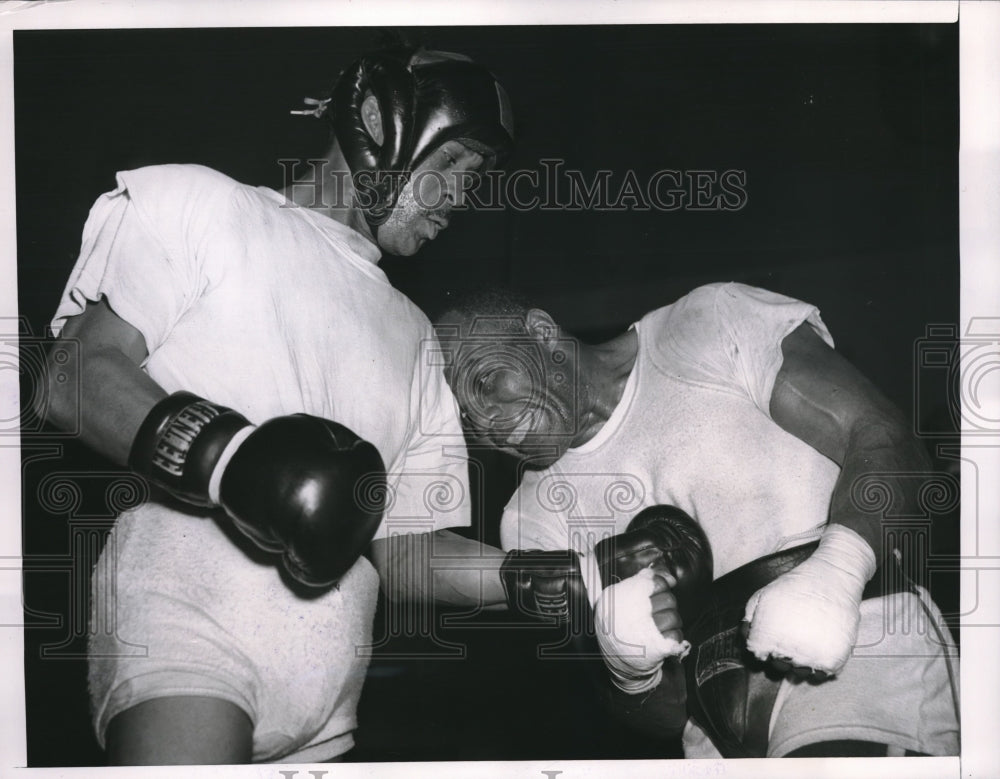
731	405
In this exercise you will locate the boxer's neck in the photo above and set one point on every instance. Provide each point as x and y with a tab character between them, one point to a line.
604	370
328	189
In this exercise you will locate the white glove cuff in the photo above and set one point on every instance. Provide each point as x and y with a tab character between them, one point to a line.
227	454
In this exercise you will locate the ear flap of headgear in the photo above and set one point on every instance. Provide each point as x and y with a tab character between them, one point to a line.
387	77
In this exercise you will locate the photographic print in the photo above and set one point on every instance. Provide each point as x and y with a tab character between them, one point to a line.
517	395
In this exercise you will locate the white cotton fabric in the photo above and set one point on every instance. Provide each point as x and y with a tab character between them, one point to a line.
693	430
269	309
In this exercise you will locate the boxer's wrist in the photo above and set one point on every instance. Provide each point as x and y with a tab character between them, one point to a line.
179	443
847	552
636	684
809	616
659	713
631	645
591	574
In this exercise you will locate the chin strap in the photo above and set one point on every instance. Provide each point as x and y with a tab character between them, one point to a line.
318	109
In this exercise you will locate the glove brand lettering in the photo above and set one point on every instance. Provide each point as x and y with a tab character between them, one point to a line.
718	654
553	605
173	446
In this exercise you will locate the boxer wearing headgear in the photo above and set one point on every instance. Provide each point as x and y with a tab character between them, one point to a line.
241	349
425	99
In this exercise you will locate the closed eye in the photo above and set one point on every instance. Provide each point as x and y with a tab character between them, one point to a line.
486	382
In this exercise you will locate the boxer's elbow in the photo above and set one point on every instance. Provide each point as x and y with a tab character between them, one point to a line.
93	382
58	397
884	439
96	393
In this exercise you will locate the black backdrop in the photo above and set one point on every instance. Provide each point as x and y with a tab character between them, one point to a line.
847	136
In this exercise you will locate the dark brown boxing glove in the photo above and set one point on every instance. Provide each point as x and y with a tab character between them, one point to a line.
661	536
545	586
300	486
656	572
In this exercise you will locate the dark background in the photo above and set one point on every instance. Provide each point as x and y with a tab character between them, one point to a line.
848	137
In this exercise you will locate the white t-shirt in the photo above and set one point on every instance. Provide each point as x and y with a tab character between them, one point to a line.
693	430
269	309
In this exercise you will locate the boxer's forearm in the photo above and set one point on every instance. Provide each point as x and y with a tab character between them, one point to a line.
820	398
876	479
95	384
441	567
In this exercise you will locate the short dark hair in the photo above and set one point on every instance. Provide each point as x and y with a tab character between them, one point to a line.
490	302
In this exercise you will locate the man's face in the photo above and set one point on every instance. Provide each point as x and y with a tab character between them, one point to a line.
518	395
424	206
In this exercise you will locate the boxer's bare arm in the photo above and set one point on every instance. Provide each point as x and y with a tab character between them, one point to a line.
463	572
180	730
825	401
104	381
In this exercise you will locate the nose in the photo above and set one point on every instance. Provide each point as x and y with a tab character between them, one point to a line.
461	182
450	196
491	419
455	193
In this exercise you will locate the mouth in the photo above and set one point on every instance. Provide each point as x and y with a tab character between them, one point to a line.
430	231
436	223
524	427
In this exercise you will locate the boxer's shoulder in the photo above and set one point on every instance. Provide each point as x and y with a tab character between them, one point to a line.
188	186
169	173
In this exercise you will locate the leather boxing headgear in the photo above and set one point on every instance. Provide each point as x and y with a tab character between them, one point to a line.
426	98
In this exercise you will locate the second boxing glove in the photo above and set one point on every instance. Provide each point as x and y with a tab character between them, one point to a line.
546	585
659	570
662	536
305	487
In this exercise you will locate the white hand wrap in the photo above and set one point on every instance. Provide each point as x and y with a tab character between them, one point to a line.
632	646
809	616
